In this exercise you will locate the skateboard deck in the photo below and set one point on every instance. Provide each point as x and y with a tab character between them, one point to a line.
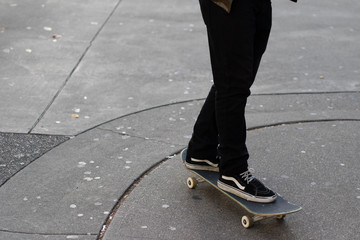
279	209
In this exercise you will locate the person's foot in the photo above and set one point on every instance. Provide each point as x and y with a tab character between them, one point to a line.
198	164
246	186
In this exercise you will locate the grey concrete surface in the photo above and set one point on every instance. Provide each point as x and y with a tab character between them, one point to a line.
129	79
74	187
313	47
306	163
97	168
121	58
125	80
261	110
34	64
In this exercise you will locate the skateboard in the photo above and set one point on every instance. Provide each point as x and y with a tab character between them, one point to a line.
259	211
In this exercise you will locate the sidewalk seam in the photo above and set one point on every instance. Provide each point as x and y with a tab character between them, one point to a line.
139	137
128	191
302	121
74	68
202	99
49	234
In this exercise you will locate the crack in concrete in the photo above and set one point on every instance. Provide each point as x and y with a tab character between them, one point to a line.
49	234
302	93
202	99
139	137
128	191
302	121
141	111
74	68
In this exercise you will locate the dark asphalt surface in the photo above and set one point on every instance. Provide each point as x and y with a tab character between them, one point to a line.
19	150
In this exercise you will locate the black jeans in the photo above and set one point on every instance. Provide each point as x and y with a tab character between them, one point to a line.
237	42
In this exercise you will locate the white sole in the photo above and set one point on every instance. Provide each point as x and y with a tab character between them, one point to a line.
200	167
245	195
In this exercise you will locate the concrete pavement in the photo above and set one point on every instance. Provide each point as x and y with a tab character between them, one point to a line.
98	98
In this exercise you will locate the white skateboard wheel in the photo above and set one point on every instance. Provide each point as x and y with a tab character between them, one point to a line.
247	221
191	182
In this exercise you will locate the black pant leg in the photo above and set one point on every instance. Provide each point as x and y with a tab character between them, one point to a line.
237	42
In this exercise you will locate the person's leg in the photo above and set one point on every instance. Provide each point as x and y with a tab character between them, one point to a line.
243	48
204	141
263	27
231	41
237	42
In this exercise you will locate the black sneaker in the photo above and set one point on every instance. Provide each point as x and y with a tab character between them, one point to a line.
246	186
197	164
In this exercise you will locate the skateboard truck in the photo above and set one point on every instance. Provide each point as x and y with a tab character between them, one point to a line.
192	182
248	221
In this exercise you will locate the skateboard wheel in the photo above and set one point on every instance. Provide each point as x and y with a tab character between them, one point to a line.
247	221
191	182
280	217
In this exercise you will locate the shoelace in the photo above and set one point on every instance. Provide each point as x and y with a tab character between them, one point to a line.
248	175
